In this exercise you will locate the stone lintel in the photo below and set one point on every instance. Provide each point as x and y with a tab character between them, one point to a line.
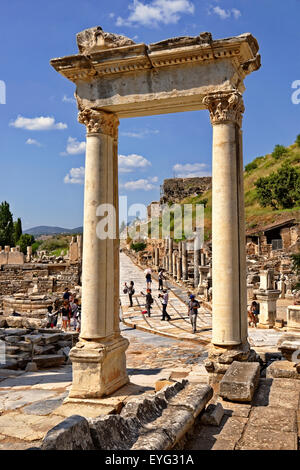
171	76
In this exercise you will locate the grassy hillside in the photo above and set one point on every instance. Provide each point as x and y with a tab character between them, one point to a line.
256	215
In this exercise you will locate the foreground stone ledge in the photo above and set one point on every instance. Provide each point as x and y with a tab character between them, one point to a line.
149	422
240	381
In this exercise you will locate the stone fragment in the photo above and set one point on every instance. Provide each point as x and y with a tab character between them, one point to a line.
15	331
71	434
240	381
51	338
31	367
114	432
48	360
193	397
14	322
213	415
281	370
3	323
13	339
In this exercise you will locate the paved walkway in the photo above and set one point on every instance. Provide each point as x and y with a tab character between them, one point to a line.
270	422
179	327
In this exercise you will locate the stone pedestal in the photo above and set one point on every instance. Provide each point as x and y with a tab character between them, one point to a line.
293	318
99	368
99	364
267	300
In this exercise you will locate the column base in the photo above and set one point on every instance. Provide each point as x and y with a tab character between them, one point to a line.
221	357
99	367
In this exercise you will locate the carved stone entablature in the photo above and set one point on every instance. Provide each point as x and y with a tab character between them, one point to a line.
99	122
225	107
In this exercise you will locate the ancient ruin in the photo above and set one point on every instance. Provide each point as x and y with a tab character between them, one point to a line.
114	81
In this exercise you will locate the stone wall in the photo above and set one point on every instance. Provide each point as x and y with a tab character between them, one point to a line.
176	189
47	277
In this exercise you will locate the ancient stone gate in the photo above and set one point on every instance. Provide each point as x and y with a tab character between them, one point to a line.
116	78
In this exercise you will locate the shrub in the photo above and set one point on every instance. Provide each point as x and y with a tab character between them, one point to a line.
280	189
250	166
24	241
138	246
296	262
279	151
298	140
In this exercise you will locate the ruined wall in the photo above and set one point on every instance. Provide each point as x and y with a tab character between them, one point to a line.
51	277
176	189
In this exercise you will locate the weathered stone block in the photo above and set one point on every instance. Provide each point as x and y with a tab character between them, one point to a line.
50	360
113	432
240	381
282	370
71	434
213	415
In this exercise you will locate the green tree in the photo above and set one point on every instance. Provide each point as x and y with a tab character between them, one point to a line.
6	225
296	262
250	166
280	189
17	230
297	141
24	241
279	151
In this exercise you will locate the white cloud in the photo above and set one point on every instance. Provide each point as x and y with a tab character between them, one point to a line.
42	123
190	170
74	147
145	184
33	142
140	134
129	163
75	176
157	11
67	99
224	14
236	13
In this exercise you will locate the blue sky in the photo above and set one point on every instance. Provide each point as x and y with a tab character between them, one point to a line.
42	160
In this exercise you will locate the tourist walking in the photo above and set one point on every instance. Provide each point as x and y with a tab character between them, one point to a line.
130	291
161	278
165	300
65	311
193	306
148	278
149	301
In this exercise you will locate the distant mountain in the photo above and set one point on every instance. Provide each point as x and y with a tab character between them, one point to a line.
46	230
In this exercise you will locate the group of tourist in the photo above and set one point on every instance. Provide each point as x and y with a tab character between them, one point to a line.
193	304
69	311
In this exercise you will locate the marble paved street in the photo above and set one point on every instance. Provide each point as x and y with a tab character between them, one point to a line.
179	327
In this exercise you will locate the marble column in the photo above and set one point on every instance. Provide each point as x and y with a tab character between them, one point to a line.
98	359
156	261
170	256
196	262
228	251
185	273
174	262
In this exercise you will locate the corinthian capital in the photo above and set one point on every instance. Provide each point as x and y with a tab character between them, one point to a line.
99	122
225	106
